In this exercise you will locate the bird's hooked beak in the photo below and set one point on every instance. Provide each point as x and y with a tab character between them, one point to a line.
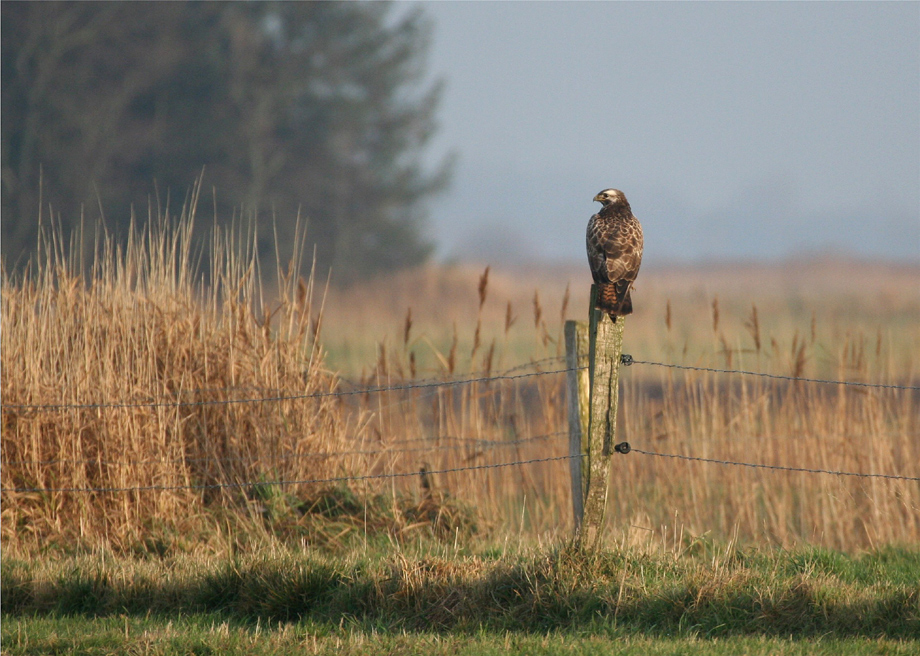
599	198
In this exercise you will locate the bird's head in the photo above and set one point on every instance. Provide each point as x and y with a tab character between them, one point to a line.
610	197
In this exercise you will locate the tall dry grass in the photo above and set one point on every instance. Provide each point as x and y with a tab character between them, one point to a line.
142	326
148	323
781	423
517	414
804	321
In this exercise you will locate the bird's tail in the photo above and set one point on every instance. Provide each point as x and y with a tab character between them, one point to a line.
615	298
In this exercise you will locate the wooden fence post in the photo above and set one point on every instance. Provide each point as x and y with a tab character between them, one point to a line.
596	433
576	355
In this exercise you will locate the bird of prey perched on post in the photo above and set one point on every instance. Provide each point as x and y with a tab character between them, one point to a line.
614	252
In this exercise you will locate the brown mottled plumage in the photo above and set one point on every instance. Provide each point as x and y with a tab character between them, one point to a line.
614	252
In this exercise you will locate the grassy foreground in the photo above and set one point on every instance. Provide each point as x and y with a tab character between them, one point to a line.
438	599
207	634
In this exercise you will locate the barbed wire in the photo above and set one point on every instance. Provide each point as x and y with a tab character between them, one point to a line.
625	359
426	395
626	448
350	381
622	448
468	443
277	398
453	377
281	483
628	360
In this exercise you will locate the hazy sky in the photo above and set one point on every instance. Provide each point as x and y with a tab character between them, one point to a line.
736	130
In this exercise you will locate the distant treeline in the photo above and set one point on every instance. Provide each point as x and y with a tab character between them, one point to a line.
317	109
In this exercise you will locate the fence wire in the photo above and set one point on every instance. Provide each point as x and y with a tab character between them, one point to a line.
456	377
280	397
281	483
508	375
621	448
430	383
628	360
630	449
467	443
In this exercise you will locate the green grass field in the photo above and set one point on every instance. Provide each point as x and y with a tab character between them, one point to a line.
209	634
432	597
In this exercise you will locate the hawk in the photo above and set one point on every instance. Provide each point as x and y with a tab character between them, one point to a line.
614	252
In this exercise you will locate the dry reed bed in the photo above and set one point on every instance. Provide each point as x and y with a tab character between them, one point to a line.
140	328
517	414
675	322
143	327
657	501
